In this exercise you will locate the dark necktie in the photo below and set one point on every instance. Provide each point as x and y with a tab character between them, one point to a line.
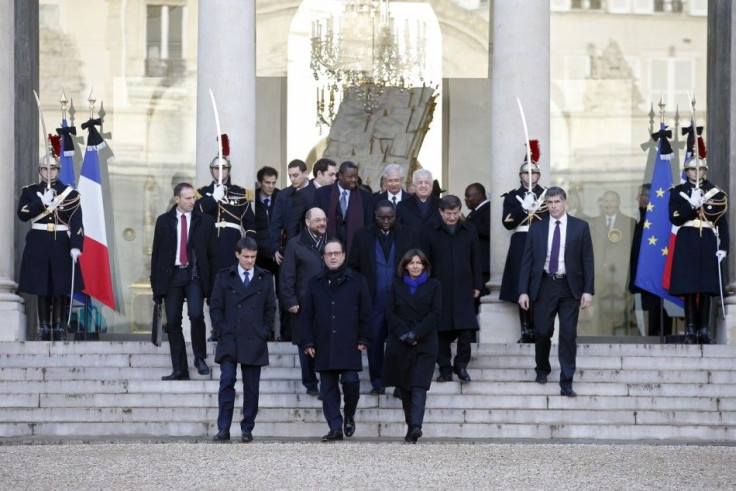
554	255
246	279
183	256
344	204
394	200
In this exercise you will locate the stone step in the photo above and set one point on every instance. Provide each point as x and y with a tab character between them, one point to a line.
471	431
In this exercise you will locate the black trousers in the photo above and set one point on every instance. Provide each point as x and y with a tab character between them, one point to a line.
251	376
183	286
330	392
556	299
444	355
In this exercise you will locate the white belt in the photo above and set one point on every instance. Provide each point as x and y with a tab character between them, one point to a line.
697	223
223	224
521	228
50	227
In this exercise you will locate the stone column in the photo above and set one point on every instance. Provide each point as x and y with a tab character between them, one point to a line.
226	58
520	61
13	326
720	133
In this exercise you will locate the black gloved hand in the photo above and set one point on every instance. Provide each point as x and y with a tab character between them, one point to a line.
408	338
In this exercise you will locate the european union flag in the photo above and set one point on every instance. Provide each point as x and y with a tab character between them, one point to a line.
656	228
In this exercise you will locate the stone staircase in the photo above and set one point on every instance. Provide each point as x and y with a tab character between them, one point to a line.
625	392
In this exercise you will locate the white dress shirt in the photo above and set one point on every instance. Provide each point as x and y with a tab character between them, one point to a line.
242	272
563	235
178	234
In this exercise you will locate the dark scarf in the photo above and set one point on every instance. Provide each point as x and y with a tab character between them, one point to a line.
354	220
334	275
415	283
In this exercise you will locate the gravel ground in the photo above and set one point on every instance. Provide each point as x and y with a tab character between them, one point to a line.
365	465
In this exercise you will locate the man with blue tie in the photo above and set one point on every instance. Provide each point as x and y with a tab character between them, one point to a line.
557	275
242	309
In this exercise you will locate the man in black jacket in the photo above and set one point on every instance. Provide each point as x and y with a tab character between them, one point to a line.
182	259
242	311
376	253
480	217
335	328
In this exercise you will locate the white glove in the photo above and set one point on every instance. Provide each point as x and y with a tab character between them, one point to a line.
720	255
529	203
696	198
47	197
219	192
75	253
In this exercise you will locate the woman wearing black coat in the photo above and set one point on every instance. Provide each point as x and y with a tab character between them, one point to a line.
413	312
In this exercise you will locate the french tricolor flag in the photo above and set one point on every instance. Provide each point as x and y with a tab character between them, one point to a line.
95	261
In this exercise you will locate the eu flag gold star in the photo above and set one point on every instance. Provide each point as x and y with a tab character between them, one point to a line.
652	240
660	192
665	251
650	207
647	224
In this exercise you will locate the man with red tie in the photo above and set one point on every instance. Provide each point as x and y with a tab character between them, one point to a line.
182	260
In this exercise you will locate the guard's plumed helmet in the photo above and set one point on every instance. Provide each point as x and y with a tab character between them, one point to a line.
225	154
534	146
694	163
52	160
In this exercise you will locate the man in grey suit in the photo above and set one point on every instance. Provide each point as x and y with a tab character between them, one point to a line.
557	275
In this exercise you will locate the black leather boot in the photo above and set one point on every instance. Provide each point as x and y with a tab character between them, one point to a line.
44	318
59	330
691	318
704	336
704	320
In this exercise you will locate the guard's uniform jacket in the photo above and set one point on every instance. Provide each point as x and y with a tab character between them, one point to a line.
233	219
515	218
702	232
46	267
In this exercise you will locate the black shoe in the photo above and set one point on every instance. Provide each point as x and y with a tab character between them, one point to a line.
415	434
568	392
247	437
213	338
349	426
176	376
332	436
58	333
44	333
312	392
407	438
202	367
527	335
462	374
377	391
704	336
541	378
397	393
444	377
222	436
690	335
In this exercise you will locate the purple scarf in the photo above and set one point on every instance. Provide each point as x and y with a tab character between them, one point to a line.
415	283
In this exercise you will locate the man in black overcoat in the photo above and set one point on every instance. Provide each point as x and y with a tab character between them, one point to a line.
182	259
557	283
242	310
453	250
377	251
420	210
392	178
347	206
303	260
325	173
266	197
335	329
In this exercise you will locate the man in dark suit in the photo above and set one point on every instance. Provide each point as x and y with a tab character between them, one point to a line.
453	250
281	225
422	209
303	261
242	311
182	259
265	201
557	278
348	207
393	179
325	173
480	217
376	253
335	328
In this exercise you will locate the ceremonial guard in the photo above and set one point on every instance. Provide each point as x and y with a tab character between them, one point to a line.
228	204
521	207
49	268
699	208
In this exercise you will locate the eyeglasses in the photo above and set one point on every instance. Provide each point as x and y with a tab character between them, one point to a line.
318	220
333	254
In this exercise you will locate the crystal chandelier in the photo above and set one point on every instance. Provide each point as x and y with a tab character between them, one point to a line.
362	52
